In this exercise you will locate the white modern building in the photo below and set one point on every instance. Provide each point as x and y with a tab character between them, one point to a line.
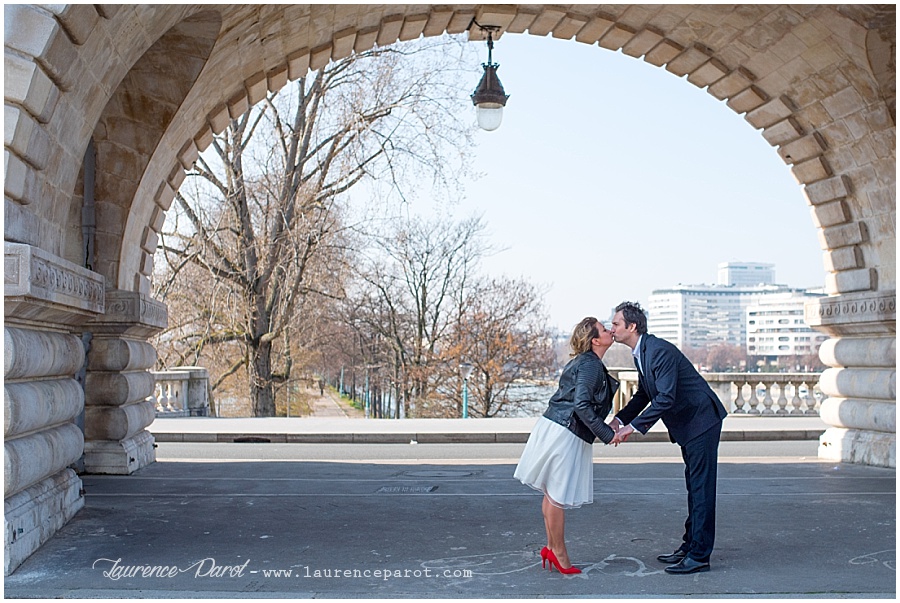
746	274
702	316
776	328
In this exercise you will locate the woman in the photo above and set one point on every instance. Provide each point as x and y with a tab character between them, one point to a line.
557	459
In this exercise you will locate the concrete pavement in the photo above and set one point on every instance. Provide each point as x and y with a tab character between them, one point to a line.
787	527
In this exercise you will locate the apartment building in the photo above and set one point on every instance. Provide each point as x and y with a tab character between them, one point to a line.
776	328
731	312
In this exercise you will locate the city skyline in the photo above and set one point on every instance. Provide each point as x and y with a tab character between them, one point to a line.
610	178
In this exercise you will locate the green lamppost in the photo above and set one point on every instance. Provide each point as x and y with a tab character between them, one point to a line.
465	369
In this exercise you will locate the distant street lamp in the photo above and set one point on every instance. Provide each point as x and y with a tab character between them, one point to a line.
373	369
489	97
367	406
465	369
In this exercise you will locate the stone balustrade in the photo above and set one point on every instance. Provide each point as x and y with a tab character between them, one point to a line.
770	394
181	392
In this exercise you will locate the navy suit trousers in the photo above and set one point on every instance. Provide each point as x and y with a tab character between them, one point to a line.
701	456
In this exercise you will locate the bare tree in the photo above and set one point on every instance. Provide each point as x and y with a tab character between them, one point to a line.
422	308
723	357
408	297
266	220
503	334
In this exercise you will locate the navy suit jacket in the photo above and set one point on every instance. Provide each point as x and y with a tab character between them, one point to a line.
675	392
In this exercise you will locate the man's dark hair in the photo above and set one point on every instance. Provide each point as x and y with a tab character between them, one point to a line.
634	315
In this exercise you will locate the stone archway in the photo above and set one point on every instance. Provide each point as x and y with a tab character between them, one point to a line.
151	84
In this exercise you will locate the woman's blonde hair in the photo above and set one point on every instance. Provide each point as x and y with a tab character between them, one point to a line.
584	332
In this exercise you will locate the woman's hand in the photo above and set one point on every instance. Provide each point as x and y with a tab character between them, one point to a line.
622	435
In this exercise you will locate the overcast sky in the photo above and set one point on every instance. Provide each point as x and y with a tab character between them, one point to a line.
611	177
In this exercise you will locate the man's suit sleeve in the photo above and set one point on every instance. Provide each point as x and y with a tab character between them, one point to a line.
664	367
634	407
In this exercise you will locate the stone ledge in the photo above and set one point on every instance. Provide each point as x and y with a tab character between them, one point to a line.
853	313
130	314
38	286
450	438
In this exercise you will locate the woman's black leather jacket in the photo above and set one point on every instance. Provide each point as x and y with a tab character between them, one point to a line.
584	398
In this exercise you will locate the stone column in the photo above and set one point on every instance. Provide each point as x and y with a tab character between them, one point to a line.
118	384
860	384
46	300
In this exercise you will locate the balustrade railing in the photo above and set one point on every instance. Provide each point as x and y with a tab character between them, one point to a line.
181	392
770	394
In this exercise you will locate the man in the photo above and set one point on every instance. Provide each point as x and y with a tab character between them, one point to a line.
693	414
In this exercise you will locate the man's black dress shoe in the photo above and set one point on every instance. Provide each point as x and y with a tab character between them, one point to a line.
688	566
674	557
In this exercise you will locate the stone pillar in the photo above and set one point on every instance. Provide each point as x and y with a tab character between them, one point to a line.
46	300
860	384
118	384
197	401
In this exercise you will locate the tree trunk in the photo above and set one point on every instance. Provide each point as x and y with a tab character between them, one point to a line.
262	389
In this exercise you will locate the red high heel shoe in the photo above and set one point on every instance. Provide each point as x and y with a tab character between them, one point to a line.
548	555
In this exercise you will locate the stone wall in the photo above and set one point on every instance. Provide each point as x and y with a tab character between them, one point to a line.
46	301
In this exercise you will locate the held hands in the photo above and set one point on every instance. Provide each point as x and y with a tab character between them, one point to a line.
622	433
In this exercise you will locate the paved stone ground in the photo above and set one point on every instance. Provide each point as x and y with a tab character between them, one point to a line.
788	527
330	405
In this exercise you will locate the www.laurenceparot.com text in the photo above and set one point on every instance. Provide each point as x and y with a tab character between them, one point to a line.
116	569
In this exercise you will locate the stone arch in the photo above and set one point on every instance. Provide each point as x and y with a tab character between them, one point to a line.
816	80
810	133
800	74
135	119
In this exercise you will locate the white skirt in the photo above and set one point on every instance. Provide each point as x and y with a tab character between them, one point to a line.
558	463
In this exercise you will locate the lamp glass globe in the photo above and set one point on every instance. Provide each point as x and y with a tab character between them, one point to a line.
489	116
